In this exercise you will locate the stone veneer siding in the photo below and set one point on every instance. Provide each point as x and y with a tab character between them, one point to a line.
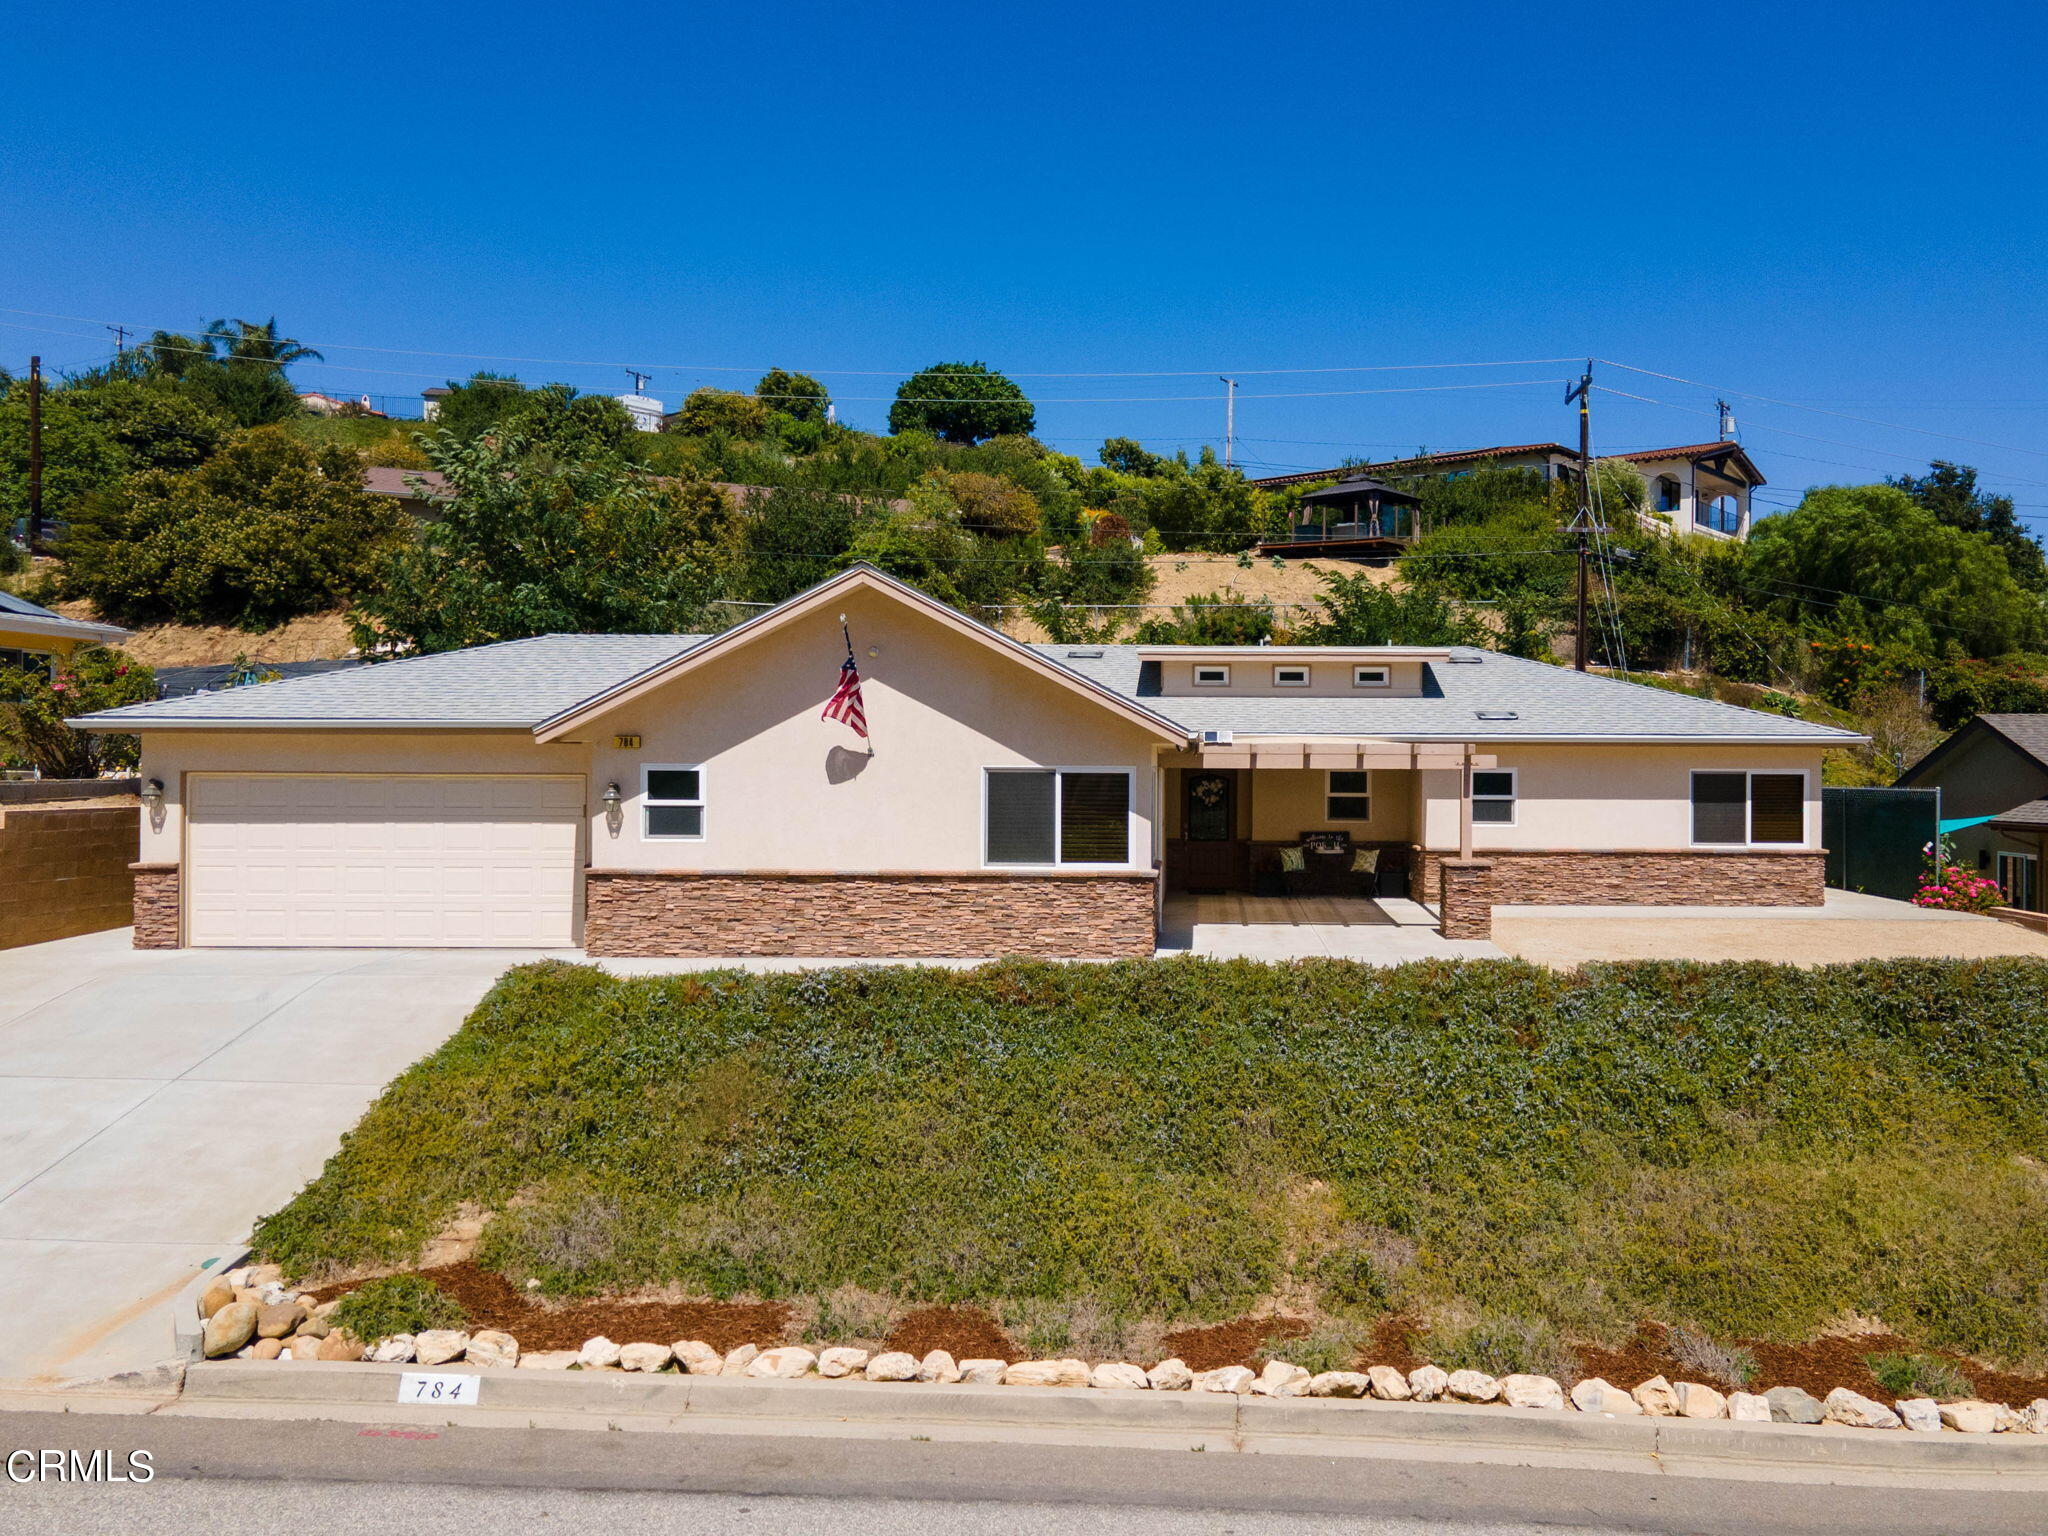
1653	877
64	870
156	906
1464	910
879	916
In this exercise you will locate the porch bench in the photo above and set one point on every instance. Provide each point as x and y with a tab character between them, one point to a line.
1330	874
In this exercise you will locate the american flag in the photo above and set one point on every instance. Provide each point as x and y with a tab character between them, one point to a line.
845	705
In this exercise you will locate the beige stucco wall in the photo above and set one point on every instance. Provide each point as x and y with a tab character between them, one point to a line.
1289	801
786	790
172	755
1606	796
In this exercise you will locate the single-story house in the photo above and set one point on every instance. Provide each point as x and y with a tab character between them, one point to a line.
1992	772
683	794
33	638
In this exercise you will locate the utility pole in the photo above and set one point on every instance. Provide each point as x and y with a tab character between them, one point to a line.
639	380
35	454
1229	419
1582	525
120	341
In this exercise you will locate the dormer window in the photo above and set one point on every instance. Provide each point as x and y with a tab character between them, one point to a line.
1290	677
1212	677
1372	677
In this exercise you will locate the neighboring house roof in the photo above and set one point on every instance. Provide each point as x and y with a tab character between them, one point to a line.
174	681
407	484
1431	463
2032	815
1547	703
19	616
554	683
2024	734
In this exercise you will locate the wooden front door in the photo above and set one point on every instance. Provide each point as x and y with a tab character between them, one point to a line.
1212	857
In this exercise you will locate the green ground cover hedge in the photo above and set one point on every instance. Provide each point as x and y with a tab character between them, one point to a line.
1752	1150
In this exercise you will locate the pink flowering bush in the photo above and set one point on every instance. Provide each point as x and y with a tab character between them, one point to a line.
1948	885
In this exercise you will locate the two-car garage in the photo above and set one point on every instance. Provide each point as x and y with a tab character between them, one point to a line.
383	860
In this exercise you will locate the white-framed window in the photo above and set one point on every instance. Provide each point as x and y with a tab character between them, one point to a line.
1290	677
1740	808
1052	816
1493	797
1670	494
1348	795
1372	677
1207	676
672	802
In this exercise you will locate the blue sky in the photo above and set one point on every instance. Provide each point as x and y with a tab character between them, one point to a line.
1840	205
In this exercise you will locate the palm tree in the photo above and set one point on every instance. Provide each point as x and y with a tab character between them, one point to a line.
244	341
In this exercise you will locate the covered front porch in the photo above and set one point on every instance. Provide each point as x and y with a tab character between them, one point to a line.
1322	833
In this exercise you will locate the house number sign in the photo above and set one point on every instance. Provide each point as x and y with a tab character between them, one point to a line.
447	1389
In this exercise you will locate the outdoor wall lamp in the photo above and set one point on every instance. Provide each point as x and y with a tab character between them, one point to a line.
153	795
614	808
612	797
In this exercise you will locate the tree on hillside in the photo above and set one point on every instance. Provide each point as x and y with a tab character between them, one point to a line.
796	395
725	412
1869	560
267	529
1127	456
536	542
1212	618
1356	610
154	427
234	367
477	405
961	403
1950	492
79	456
35	705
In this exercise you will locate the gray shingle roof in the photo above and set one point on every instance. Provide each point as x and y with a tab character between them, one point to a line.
2033	814
520	683
2027	732
514	684
1547	701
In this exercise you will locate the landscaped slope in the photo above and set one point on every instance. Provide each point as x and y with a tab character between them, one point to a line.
1754	1150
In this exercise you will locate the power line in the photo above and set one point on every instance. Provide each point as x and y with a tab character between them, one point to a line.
1795	405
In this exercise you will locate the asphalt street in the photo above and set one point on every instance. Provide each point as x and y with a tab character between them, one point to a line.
310	1477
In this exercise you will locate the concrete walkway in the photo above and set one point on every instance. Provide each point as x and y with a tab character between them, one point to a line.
153	1104
1388	931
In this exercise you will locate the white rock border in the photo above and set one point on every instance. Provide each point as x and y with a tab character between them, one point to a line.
249	1310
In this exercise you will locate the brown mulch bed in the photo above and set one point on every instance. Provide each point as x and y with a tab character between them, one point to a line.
1393	1343
1820	1365
965	1333
1239	1342
492	1302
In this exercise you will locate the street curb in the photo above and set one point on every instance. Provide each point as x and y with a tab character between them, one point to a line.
188	1328
1219	1421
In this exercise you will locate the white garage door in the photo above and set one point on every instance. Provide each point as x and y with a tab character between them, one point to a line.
399	860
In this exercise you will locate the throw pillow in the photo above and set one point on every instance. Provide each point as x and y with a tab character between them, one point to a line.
1366	861
1292	861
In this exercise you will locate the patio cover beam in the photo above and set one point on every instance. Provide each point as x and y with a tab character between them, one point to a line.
1322	752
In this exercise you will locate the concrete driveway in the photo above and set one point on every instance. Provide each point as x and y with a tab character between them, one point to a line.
154	1103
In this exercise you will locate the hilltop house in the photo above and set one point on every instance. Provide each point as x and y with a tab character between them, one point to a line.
34	638
1697	488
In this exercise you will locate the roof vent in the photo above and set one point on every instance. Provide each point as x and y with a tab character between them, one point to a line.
1497	714
1095	655
1217	738
1466	658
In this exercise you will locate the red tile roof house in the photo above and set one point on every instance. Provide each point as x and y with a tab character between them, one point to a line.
681	794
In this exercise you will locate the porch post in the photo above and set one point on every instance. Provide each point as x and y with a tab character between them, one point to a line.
1465	804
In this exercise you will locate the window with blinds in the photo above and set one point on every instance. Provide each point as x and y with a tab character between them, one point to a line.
1057	816
1747	809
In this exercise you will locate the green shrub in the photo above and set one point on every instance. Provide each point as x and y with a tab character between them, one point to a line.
379	1308
1919	1376
1333	1347
1754	1149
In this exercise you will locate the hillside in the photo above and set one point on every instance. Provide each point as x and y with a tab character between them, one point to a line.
1114	1150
